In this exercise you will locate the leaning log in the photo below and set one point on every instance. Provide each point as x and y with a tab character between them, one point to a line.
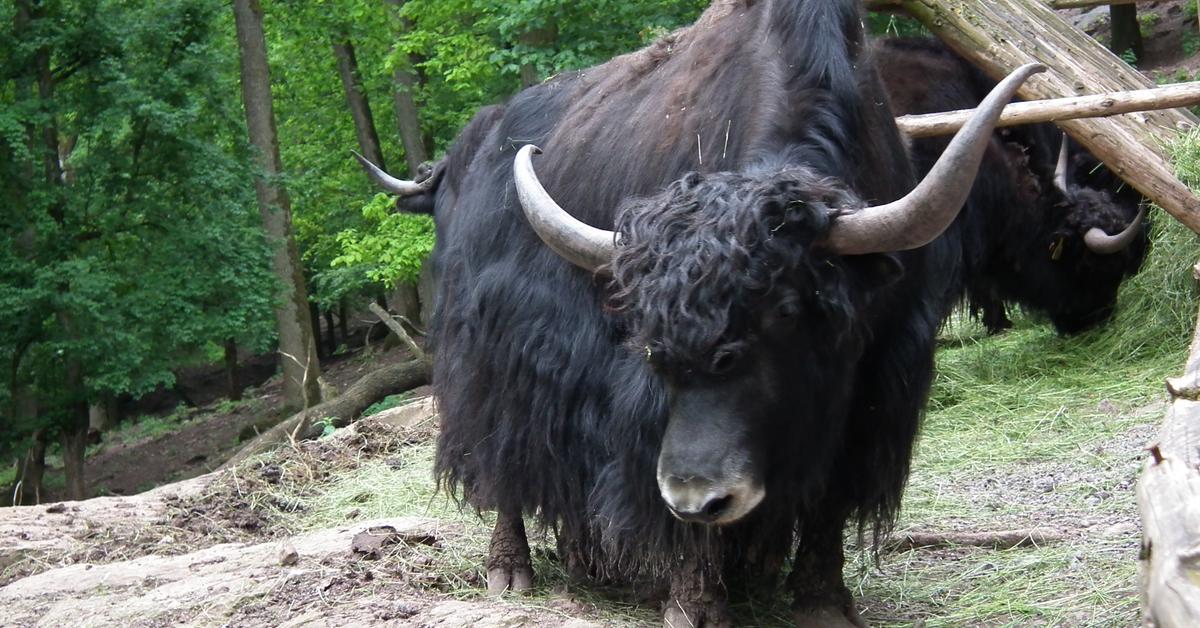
878	5
1059	109
1168	494
1001	35
341	410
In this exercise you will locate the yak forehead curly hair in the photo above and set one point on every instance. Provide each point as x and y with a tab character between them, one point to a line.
696	260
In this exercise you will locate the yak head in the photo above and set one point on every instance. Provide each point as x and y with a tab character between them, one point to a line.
1085	237
725	287
745	291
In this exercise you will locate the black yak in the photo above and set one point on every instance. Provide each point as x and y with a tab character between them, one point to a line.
1035	229
741	371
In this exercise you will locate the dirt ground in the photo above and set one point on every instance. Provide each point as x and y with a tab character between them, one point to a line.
209	436
216	550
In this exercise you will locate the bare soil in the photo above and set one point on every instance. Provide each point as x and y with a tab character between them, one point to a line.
209	436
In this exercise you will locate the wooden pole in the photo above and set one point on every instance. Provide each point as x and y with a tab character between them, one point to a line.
1000	35
1168	495
1058	109
876	5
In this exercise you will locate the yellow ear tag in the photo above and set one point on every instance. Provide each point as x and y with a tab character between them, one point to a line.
1056	249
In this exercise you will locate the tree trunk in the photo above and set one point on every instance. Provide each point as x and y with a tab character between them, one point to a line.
407	302
32	466
314	316
343	409
1126	32
33	469
426	289
408	120
74	445
74	429
298	350
233	383
998	36
540	38
75	425
356	99
330	334
98	418
343	320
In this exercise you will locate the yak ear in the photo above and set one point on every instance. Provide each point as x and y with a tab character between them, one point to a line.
877	270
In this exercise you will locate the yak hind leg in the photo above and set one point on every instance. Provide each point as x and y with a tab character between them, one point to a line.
821	598
995	318
697	599
508	565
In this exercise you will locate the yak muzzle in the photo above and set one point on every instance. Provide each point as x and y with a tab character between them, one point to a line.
698	499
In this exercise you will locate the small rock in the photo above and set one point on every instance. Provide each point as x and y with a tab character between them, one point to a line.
404	610
55	509
1109	408
354	513
370	542
288	555
1119	530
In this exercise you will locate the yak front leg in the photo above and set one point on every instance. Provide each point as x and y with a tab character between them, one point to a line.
821	598
508	565
697	598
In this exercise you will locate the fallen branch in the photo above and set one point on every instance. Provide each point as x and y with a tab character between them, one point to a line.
399	330
1055	109
341	410
1006	539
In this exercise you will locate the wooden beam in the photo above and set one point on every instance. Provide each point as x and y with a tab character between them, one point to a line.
1001	35
877	5
1058	109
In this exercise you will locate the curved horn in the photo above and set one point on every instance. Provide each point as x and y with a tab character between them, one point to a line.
390	183
581	244
924	213
1101	243
1060	170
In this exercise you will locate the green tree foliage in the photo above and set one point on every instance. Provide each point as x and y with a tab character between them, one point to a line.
392	249
466	54
471	51
148	244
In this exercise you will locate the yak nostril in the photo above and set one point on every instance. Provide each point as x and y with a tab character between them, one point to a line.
715	507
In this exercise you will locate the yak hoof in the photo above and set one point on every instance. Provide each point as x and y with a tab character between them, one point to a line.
515	578
681	615
828	617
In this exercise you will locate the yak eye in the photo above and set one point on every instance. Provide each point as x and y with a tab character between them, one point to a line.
724	360
788	309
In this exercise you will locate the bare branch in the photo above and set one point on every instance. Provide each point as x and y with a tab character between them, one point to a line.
398	329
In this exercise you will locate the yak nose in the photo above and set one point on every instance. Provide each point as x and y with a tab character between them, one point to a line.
701	500
695	499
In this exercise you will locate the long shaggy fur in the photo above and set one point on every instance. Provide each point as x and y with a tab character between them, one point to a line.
1021	237
730	137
